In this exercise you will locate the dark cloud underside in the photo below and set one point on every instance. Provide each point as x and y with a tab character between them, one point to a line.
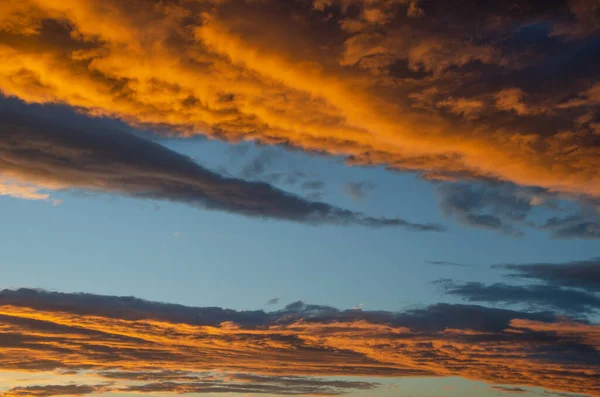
60	150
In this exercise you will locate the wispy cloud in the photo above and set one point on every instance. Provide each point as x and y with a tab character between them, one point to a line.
571	288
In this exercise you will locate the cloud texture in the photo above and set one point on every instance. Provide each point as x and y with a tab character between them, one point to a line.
504	91
127	338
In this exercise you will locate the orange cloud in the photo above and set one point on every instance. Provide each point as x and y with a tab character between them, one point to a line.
253	71
70	332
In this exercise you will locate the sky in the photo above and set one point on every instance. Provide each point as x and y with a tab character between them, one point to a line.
308	197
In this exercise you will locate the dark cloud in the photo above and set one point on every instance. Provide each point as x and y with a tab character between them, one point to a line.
584	225
59	150
54	390
150	375
576	274
547	297
571	287
233	383
509	209
450	264
277	388
485	206
273	301
509	390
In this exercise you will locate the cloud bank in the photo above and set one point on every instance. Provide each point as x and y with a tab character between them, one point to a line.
505	91
173	348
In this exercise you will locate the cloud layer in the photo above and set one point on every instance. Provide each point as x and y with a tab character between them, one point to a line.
505	91
122	338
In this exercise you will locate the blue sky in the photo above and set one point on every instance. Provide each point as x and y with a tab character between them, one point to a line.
172	252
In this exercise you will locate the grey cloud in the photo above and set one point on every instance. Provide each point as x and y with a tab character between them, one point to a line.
509	389
54	390
433	318
450	264
357	190
576	274
257	167
511	209
545	297
150	375
234	383
48	145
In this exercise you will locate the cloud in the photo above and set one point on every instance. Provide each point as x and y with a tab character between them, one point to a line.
509	209
450	264
571	287
126	339
583	275
54	390
345	78
541	297
273	301
230	383
257	166
508	389
357	190
511	99
58	150
16	189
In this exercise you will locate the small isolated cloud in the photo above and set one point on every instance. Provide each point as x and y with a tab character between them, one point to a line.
511	100
447	263
177	234
357	190
273	301
509	389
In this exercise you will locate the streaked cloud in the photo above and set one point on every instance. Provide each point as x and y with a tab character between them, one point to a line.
63	151
447	263
541	297
127	338
571	288
576	274
501	91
